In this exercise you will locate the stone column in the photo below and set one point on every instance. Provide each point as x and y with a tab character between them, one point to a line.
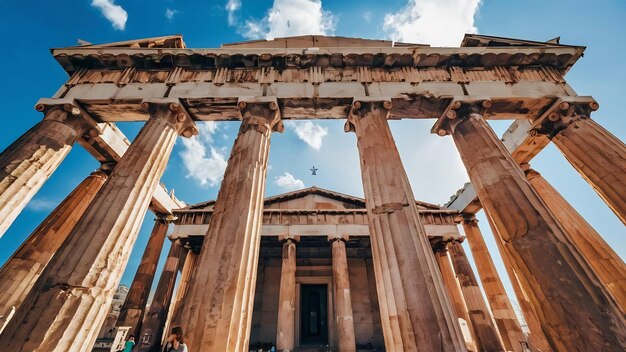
156	317
342	298
134	306
503	313
595	153
27	163
70	300
19	273
285	330
607	265
487	338
454	291
535	243
218	311
415	310
190	265
537	339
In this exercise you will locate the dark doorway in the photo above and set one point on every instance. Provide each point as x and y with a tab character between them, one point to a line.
314	315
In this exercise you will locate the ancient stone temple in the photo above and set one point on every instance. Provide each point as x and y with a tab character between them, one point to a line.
315	269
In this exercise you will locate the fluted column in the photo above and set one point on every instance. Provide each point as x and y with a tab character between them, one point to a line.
535	243
190	265
70	300
602	259
454	292
487	338
21	271
415	310
218	311
134	306
286	324
344	319
27	163
503	313
595	153
537	339
155	318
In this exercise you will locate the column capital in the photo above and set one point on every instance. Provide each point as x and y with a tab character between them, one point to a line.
469	219
173	110
561	114
338	237
364	105
458	111
529	172
70	113
166	218
261	114
289	237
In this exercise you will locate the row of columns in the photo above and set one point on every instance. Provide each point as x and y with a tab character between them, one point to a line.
86	243
65	305
344	319
574	307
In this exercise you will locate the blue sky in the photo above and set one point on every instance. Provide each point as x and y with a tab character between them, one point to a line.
434	168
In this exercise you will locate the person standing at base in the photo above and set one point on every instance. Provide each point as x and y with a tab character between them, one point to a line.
175	341
130	343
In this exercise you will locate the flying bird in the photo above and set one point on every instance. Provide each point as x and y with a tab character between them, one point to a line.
313	170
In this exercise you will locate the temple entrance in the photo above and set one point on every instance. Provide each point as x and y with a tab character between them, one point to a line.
313	315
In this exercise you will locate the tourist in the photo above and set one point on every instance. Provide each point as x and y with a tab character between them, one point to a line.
175	341
130	343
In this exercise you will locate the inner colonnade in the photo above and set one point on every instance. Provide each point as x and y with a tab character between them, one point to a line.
315	267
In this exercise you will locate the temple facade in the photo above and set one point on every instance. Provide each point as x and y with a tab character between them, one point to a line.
316	269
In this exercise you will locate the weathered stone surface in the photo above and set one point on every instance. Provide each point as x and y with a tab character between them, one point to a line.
595	153
536	245
344	318
21	271
218	312
501	308
134	306
285	330
456	296
155	318
415	309
69	301
536	338
602	259
190	264
27	163
487	338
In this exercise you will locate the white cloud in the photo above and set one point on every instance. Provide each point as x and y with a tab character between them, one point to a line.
169	13
435	22
289	18
42	204
232	6
288	182
203	162
112	12
311	133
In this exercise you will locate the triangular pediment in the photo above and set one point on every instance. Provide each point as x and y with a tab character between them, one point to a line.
476	40
312	198
316	41
168	41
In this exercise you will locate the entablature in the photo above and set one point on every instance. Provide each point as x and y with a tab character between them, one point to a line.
74	58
